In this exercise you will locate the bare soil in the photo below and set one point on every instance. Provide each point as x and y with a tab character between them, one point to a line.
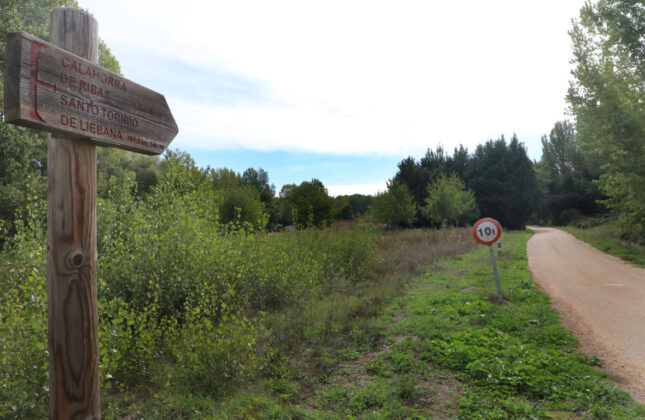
601	300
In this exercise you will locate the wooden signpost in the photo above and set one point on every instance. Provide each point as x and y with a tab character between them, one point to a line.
59	88
49	88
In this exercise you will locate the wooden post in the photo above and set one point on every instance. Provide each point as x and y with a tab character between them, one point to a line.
71	241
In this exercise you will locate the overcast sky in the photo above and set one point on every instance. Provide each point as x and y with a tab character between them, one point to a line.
344	90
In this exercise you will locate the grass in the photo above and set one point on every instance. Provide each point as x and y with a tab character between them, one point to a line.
603	237
443	348
315	331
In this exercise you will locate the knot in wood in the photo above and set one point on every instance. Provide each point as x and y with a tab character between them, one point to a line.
74	260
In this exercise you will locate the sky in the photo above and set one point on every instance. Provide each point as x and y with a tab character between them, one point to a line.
342	91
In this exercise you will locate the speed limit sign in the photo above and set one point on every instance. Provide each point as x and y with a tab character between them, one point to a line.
486	231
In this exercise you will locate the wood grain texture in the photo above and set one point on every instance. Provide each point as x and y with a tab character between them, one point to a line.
50	89
71	240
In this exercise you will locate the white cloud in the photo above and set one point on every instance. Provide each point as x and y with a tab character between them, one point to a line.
359	76
365	189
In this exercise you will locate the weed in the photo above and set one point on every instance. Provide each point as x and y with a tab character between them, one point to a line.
603	235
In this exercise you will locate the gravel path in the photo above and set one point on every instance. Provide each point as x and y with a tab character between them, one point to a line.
600	298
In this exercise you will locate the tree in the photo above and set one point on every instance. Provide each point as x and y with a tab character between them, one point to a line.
360	204
417	175
224	178
561	156
114	166
23	152
241	205
259	179
181	174
565	178
608	101
414	177
396	207
306	205
342	208
504	182
449	201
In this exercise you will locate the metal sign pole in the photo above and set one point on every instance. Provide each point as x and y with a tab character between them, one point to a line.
499	287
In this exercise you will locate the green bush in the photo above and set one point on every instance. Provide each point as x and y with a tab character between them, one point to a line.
181	295
24	384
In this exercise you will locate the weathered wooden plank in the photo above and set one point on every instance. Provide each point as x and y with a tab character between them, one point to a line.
51	89
71	242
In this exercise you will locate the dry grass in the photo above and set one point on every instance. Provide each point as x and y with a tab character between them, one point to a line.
409	250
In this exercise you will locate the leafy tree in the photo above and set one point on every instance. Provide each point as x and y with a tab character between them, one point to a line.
414	177
504	182
449	201
241	205
259	179
180	173
608	101
417	175
458	162
565	179
224	178
115	165
306	205
23	152
29	16
106	59
396	206
360	203
342	208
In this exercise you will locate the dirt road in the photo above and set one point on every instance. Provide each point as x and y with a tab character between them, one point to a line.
600	298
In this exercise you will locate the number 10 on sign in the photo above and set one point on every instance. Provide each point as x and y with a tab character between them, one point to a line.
487	231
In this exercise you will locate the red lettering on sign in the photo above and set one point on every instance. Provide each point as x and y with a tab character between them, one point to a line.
93	72
99	129
79	105
36	47
67	121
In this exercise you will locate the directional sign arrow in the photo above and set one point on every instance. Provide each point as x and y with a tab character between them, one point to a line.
50	89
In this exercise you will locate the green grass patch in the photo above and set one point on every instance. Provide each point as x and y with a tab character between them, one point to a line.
446	349
604	237
328	324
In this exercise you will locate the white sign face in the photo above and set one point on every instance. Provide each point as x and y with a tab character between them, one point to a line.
487	231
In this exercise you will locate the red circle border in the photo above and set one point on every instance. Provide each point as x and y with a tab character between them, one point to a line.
493	221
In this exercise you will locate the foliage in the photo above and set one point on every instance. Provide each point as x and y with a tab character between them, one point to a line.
115	166
504	182
306	205
566	177
180	294
417	175
396	206
23	334
342	209
444	349
500	175
23	152
259	179
449	201
241	205
601	233
352	206
106	59
607	99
